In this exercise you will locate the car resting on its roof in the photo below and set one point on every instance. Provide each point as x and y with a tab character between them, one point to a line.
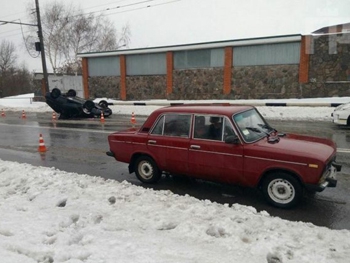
69	105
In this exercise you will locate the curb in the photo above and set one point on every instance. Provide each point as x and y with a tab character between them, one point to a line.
268	104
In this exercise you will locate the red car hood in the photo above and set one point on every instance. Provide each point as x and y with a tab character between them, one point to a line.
300	145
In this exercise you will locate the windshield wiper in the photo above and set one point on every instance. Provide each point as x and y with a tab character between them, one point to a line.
254	129
267	127
258	130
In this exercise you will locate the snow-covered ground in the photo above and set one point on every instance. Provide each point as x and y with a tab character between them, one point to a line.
47	215
308	109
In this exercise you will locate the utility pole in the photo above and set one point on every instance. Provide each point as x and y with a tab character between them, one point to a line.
42	49
41	41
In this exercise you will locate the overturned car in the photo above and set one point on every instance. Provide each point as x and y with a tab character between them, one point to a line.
68	105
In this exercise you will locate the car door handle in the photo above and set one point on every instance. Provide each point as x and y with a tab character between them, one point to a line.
195	147
152	141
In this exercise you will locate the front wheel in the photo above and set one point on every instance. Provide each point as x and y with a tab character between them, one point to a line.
282	190
71	93
146	170
55	93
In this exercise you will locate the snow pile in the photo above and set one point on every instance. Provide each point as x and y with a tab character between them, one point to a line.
309	110
49	215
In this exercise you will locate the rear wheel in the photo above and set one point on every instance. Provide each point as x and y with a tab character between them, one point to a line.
282	190
88	105
103	104
146	170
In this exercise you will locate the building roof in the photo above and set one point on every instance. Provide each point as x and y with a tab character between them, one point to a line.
203	45
340	28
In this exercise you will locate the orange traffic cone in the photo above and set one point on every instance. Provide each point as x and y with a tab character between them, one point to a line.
24	115
54	116
3	113
42	147
133	120
102	117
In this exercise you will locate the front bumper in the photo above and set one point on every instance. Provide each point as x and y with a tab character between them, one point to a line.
327	180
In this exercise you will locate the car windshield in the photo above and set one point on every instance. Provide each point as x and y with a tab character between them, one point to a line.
252	125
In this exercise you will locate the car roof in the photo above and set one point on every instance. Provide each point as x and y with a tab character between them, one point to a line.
214	108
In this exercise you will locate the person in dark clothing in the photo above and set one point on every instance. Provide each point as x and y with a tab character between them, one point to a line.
200	130
215	128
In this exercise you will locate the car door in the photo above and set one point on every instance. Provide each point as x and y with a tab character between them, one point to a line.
210	157
168	142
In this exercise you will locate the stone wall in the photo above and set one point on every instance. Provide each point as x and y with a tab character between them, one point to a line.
329	68
198	84
329	75
100	87
145	87
265	82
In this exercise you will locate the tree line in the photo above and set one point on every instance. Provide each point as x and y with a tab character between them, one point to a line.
67	31
14	79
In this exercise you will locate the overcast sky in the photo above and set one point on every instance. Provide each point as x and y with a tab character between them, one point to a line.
173	22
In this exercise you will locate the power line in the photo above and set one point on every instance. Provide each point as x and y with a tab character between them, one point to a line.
105	4
13	15
149	6
128	5
121	7
4	32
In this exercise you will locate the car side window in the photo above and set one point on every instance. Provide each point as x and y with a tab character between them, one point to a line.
228	129
158	129
200	128
209	127
173	125
215	128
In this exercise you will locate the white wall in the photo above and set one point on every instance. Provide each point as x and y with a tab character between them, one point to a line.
65	83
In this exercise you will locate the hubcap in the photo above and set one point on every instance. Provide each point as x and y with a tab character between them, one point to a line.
281	191
145	170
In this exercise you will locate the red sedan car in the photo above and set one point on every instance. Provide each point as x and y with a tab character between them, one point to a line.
228	144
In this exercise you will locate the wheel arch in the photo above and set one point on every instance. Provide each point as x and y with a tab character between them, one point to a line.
135	156
279	170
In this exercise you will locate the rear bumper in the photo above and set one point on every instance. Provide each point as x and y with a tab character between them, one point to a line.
328	180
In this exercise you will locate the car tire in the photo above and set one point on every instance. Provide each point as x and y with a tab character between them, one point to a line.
71	93
146	170
55	93
103	104
282	190
88	105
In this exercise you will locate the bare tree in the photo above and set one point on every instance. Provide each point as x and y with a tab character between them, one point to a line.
68	31
8	56
55	22
14	80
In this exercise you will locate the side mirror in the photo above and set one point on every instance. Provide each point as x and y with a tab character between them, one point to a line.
232	139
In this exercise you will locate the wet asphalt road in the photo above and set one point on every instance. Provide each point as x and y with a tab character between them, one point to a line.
80	145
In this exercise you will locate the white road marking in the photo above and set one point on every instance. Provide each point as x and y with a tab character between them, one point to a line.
343	150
